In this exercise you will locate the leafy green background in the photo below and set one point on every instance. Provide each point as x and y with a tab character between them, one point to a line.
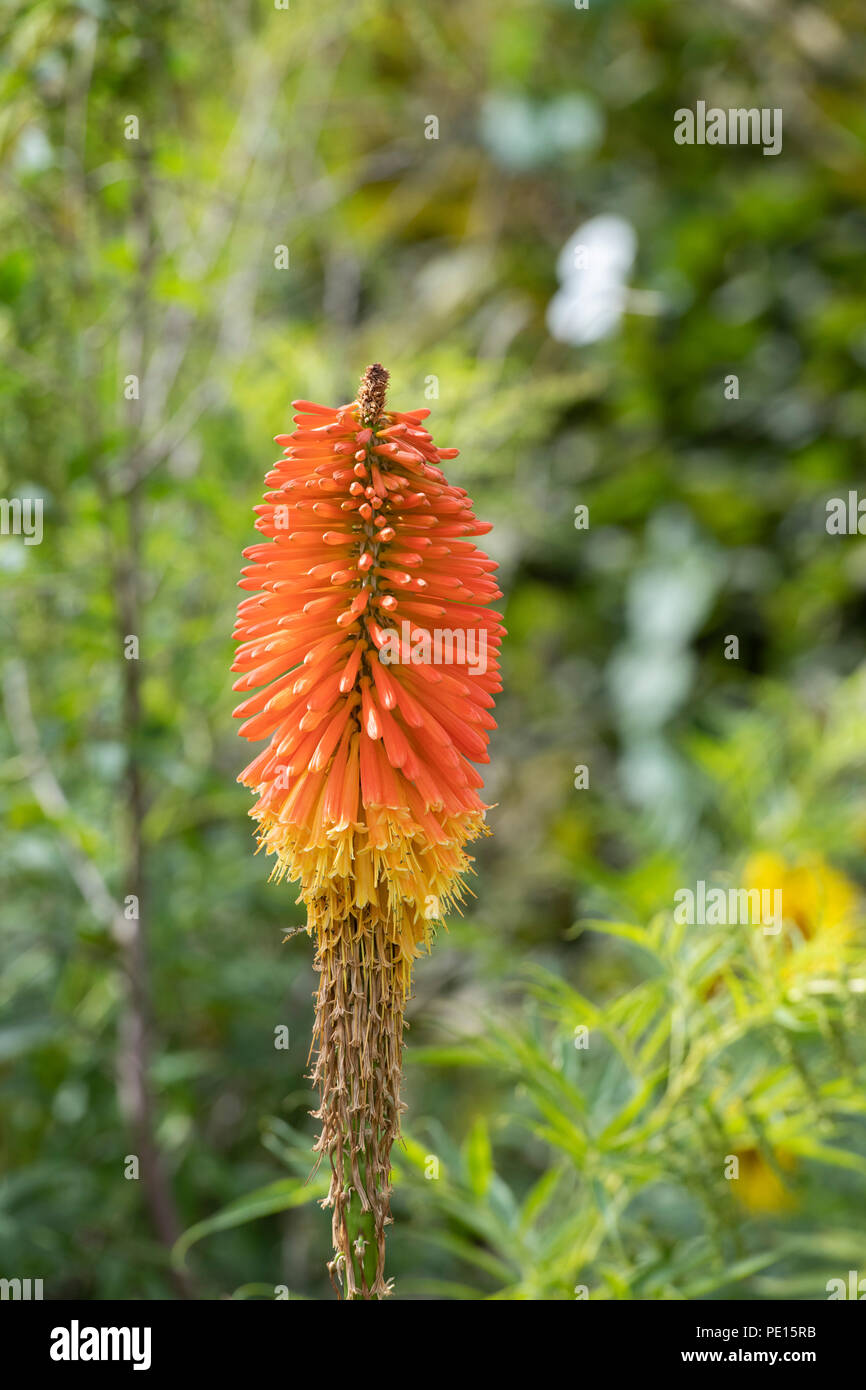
558	1168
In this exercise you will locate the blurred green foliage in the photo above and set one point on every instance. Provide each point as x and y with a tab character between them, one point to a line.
155	257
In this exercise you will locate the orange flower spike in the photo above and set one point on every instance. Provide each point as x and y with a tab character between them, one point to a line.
373	658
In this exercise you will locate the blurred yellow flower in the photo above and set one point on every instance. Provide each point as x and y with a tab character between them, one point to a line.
758	1186
814	895
817	900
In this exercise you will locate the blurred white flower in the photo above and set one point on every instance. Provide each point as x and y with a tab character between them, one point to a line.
593	267
33	152
521	134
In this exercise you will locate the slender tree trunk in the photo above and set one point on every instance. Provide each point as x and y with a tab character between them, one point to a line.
135	1031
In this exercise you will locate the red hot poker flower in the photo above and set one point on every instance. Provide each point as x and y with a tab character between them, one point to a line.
374	659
